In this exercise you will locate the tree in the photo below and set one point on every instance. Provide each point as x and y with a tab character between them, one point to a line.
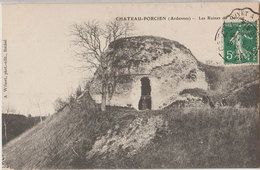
92	41
37	102
8	110
5	129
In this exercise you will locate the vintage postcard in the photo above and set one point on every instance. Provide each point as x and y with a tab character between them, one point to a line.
130	85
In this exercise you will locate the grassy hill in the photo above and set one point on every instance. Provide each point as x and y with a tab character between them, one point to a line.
126	138
239	85
228	78
81	136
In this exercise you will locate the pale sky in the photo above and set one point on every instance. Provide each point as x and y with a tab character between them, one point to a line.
40	56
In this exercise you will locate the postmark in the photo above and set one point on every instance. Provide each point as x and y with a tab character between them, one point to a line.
237	38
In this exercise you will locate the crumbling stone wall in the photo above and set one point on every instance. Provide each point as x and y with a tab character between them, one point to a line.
170	67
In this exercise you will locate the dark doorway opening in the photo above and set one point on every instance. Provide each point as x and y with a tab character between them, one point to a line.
145	101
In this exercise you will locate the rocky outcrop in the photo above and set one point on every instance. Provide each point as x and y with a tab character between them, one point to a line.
139	134
168	65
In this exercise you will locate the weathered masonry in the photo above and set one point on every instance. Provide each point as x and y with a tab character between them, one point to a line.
153	72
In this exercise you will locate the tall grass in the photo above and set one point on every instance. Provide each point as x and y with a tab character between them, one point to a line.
205	138
197	138
194	138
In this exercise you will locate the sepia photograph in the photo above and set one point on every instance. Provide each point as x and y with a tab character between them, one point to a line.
130	85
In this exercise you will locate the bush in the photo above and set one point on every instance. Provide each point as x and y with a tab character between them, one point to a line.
78	91
59	104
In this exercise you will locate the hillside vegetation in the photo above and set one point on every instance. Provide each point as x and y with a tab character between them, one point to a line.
125	138
239	85
228	78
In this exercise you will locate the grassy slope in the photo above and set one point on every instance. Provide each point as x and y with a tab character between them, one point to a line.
238	84
230	77
60	141
48	144
201	137
194	137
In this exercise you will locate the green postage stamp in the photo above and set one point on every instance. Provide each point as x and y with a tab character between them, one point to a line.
240	42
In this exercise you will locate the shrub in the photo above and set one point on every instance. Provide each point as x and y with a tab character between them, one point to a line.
78	91
59	104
